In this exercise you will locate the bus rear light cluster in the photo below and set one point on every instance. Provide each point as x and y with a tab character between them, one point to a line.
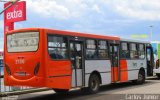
7	69
36	69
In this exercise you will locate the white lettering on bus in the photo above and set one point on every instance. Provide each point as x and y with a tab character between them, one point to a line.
14	14
19	61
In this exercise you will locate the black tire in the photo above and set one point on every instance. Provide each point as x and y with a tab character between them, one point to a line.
61	91
141	78
94	84
158	75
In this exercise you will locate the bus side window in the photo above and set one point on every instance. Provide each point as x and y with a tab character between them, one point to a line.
124	50
141	51
57	47
91	49
133	51
103	49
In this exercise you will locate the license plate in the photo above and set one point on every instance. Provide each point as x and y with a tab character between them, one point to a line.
20	74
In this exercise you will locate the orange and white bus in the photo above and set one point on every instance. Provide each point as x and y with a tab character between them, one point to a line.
63	60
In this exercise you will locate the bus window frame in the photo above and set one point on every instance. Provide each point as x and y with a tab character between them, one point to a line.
107	43
125	50
97	40
144	50
85	45
67	48
23	51
137	43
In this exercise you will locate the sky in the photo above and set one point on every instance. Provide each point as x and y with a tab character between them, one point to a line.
124	18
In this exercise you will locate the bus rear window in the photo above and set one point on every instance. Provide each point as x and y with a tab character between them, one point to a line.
23	42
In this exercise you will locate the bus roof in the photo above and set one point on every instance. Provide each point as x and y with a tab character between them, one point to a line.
78	34
131	40
70	33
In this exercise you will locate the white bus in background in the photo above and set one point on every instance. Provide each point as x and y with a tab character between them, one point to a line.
156	52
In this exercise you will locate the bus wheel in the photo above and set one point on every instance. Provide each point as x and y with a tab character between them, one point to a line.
61	91
94	84
141	78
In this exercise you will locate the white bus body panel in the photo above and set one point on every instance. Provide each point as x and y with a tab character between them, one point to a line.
101	66
76	77
134	67
73	78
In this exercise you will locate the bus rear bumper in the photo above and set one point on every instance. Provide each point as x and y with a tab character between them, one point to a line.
33	82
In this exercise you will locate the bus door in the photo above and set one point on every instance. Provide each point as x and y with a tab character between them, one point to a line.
150	61
76	54
115	67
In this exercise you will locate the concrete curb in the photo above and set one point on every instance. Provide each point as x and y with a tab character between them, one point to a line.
23	92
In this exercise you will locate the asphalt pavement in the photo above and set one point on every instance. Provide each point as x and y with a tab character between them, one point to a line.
120	91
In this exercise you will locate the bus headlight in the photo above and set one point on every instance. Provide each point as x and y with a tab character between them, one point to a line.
36	69
7	69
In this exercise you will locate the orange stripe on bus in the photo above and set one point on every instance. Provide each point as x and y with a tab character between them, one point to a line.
123	71
114	75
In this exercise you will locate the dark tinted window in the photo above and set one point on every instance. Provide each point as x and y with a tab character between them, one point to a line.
91	49
141	51
124	50
133	50
102	49
57	47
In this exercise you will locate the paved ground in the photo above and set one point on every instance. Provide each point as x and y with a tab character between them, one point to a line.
120	91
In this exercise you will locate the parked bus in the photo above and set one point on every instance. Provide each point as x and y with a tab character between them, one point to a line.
63	60
156	52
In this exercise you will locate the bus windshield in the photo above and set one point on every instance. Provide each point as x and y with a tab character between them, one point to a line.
23	42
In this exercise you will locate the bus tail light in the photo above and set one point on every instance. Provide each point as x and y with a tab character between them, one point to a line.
8	69
36	69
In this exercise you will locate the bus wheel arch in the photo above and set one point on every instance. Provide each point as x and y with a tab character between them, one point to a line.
98	74
142	69
141	76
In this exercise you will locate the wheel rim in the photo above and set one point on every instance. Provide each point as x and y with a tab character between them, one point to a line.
94	84
140	77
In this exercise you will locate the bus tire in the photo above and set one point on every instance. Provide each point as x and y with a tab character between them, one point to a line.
94	84
61	91
141	78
